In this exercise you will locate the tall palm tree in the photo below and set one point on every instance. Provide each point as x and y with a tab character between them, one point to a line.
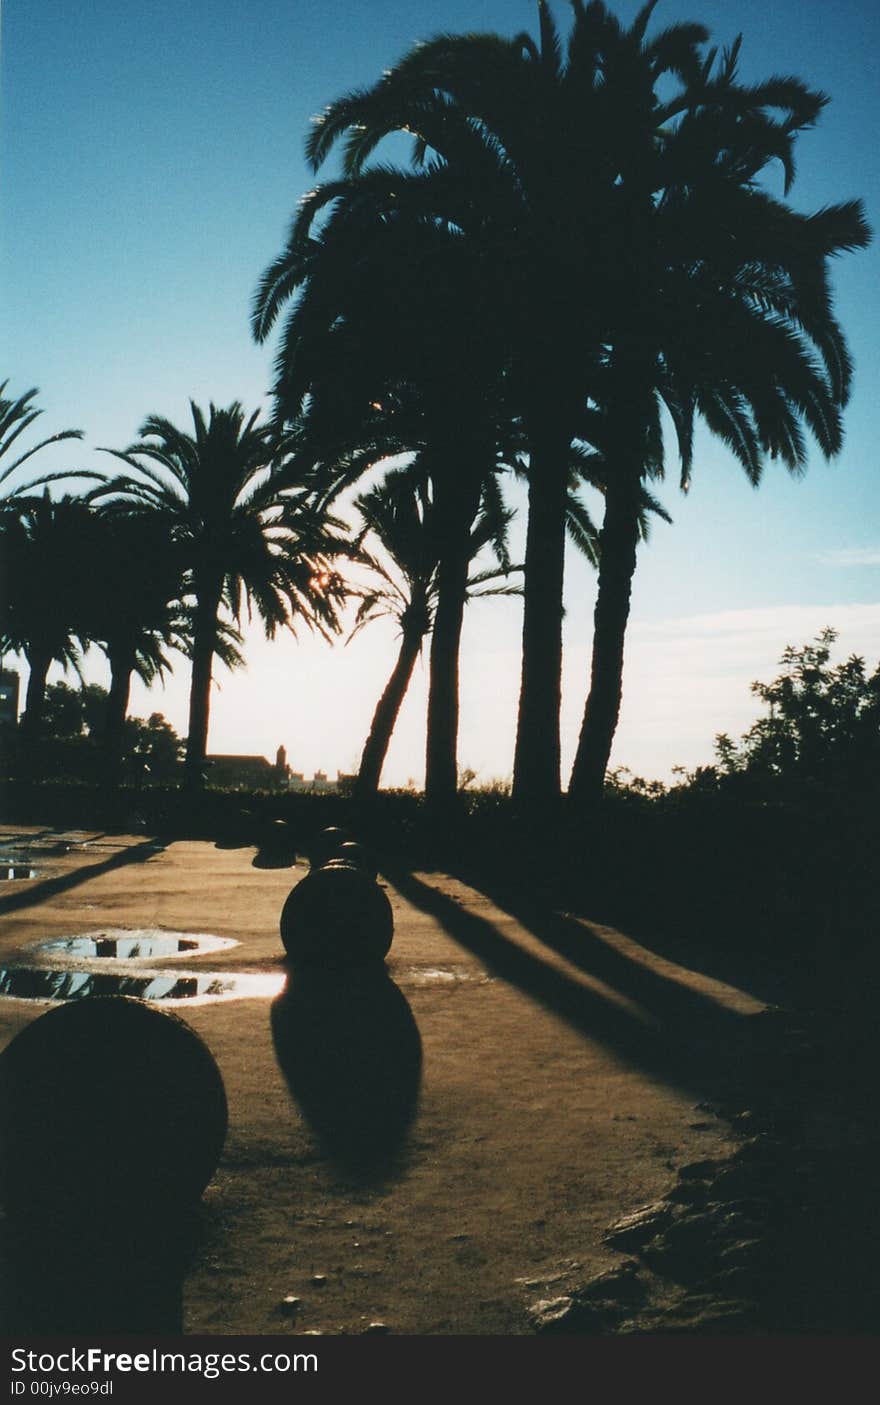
380	375
246	540
399	513
734	324
45	597
568	161
414	372
499	139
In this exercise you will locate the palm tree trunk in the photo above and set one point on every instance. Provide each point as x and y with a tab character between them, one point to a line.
121	669
32	717
536	768
617	547
385	717
458	502
204	641
35	697
631	408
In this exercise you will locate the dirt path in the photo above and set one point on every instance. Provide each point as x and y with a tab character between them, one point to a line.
562	1069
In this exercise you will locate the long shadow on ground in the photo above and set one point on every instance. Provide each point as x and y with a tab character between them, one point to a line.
808	1082
673	1032
38	891
350	1050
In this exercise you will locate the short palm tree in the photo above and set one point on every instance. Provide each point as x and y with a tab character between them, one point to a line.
399	514
136	614
246	539
45	599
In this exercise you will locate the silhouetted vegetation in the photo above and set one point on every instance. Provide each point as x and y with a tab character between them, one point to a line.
401	515
73	741
584	197
583	240
821	731
244	535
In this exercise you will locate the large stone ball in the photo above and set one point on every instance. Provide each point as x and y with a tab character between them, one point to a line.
336	916
108	1104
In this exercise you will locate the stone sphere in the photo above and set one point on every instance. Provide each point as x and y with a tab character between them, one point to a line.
336	916
326	845
357	856
108	1105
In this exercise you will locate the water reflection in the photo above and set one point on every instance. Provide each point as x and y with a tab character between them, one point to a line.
10	871
120	944
40	983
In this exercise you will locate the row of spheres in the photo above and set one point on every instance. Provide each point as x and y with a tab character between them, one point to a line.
338	915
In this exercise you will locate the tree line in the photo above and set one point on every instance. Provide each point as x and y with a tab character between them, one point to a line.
583	241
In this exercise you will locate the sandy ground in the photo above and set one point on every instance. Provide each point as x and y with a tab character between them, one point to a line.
563	1072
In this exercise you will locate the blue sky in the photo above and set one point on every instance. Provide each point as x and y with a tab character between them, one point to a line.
150	160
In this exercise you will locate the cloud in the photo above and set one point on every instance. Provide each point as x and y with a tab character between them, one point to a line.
688	678
851	556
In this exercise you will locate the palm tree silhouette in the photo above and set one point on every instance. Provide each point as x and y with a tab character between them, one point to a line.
15	417
579	177
135	613
44	603
361	378
399	513
733	320
419	372
247	538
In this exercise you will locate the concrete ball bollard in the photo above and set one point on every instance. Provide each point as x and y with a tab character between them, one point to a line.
353	853
336	916
108	1105
326	845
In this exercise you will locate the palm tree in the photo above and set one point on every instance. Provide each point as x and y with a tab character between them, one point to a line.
379	378
44	604
573	168
498	137
734	323
399	513
15	417
137	582
246	539
381	375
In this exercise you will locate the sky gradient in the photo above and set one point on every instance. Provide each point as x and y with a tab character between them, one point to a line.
150	161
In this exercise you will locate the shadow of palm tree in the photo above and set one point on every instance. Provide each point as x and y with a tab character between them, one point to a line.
350	1050
651	1020
39	891
622	961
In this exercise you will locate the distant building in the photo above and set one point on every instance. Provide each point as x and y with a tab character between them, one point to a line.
260	774
9	690
253	771
282	770
319	784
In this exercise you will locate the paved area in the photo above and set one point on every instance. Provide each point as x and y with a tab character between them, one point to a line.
562	1068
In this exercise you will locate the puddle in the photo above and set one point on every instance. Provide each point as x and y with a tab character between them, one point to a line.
10	871
35	983
125	944
438	975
